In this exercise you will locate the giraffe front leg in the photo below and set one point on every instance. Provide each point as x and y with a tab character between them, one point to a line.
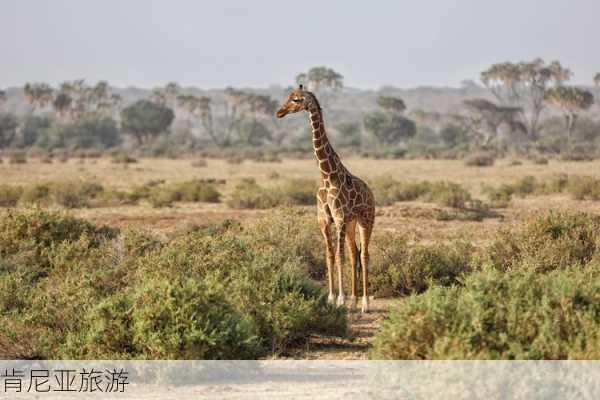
353	256
325	226
339	258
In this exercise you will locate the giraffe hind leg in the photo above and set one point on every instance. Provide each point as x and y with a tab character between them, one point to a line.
365	228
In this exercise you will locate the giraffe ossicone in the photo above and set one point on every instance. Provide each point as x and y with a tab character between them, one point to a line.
343	200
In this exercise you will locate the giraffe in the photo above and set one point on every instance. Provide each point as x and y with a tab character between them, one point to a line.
343	200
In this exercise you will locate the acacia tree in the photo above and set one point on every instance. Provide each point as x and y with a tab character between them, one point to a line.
38	95
200	108
73	99
524	85
2	98
166	95
485	117
247	115
391	104
597	79
258	107
145	119
8	129
319	78
571	101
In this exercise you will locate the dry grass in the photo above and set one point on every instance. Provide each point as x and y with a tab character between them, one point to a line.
417	218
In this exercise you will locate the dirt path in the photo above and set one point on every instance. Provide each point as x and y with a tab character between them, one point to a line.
362	331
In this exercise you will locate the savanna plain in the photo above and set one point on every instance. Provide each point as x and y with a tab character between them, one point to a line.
198	257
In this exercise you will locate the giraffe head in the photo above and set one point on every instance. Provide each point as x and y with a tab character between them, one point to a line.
298	100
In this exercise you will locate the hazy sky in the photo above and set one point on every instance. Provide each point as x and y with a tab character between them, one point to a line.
256	43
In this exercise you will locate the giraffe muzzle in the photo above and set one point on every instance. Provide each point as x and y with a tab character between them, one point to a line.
281	113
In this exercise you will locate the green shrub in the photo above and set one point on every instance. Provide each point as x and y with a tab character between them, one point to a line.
253	277
84	292
31	231
164	195
17	157
480	160
546	242
36	194
525	186
190	319
298	192
496	315
144	191
196	191
249	195
474	210
10	195
74	194
122	158
398	268
499	197
387	190
295	234
448	194
584	188
162	198
540	160
199	163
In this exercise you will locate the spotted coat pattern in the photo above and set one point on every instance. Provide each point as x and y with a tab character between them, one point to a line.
344	201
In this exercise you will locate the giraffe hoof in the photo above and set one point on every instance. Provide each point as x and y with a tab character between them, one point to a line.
331	298
352	303
341	300
365	305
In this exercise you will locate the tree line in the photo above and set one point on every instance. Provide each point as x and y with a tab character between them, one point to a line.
78	115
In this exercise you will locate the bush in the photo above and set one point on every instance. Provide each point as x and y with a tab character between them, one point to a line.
540	161
497	315
199	163
298	192
387	191
189	319
398	268
17	157
448	194
584	188
9	195
293	233
480	160
546	242
196	191
31	231
249	195
474	210
499	197
75	194
36	194
121	158
192	191
525	186
72	290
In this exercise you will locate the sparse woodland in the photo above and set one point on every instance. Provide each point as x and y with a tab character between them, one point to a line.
517	108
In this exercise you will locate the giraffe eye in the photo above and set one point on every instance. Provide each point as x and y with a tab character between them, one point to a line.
296	100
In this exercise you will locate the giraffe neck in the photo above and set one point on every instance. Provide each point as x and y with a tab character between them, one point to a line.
329	162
